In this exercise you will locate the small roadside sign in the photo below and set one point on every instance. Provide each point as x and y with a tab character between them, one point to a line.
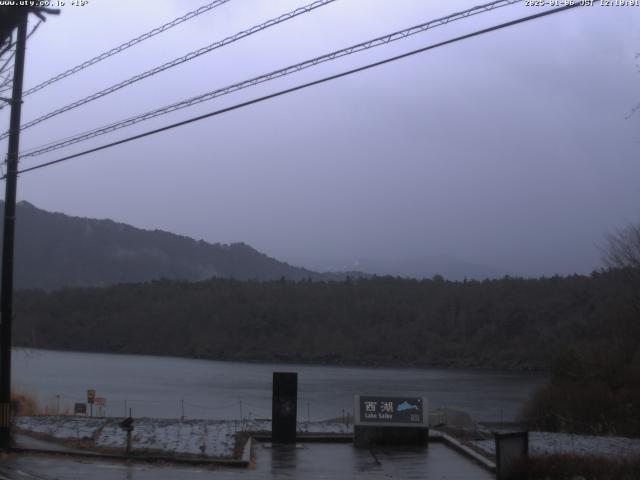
101	403
91	395
80	409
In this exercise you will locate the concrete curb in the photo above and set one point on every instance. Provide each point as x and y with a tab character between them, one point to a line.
245	460
464	450
246	451
222	462
312	437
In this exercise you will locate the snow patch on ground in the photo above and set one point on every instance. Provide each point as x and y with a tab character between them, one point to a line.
192	437
544	443
303	427
325	427
217	438
64	428
211	438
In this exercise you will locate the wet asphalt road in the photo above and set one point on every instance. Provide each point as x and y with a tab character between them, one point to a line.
309	461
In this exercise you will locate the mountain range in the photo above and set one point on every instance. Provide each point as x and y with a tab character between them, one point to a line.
55	250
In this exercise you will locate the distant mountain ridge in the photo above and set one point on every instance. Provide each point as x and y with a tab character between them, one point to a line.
422	267
55	250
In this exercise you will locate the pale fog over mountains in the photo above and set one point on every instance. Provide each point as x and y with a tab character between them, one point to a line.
426	267
55	250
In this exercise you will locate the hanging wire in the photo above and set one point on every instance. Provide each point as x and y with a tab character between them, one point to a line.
126	45
299	87
376	42
175	62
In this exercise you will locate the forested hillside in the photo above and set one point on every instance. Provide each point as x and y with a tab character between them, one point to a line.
507	323
55	250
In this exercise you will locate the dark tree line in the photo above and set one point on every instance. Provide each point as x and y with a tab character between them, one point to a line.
584	329
595	380
508	323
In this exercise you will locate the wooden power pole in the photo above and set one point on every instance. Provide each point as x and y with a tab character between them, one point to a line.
6	295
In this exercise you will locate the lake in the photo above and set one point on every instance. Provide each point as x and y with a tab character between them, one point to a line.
168	387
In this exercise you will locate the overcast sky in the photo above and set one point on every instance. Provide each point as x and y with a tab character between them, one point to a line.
510	150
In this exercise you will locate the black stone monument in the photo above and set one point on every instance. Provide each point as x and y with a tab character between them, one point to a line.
284	407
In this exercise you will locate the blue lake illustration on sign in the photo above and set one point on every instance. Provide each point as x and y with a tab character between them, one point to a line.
407	406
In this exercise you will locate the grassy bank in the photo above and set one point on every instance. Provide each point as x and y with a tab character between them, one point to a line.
574	467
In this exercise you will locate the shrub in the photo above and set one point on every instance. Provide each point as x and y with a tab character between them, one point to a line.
23	404
566	467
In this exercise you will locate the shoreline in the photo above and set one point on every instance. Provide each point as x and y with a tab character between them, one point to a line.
320	363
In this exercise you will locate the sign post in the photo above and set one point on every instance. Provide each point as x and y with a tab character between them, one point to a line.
390	420
91	396
127	426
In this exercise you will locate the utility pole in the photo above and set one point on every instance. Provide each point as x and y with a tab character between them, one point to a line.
6	296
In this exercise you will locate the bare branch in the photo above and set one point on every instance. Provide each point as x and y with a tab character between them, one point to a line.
622	253
623	248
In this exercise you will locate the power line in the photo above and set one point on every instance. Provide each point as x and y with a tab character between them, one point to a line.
10	45
177	61
302	86
124	46
6	62
5	65
7	81
382	40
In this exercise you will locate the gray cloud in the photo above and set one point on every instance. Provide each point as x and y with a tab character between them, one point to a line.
510	150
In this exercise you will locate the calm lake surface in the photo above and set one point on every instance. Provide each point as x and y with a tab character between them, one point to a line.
167	387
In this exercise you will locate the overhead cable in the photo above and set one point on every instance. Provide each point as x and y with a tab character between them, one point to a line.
378	41
175	62
300	87
13	52
126	45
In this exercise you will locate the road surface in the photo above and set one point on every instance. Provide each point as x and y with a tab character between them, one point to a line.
310	461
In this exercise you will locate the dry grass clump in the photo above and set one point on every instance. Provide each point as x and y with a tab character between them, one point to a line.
569	467
23	404
589	393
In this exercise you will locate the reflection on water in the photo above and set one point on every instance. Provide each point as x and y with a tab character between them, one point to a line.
167	387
